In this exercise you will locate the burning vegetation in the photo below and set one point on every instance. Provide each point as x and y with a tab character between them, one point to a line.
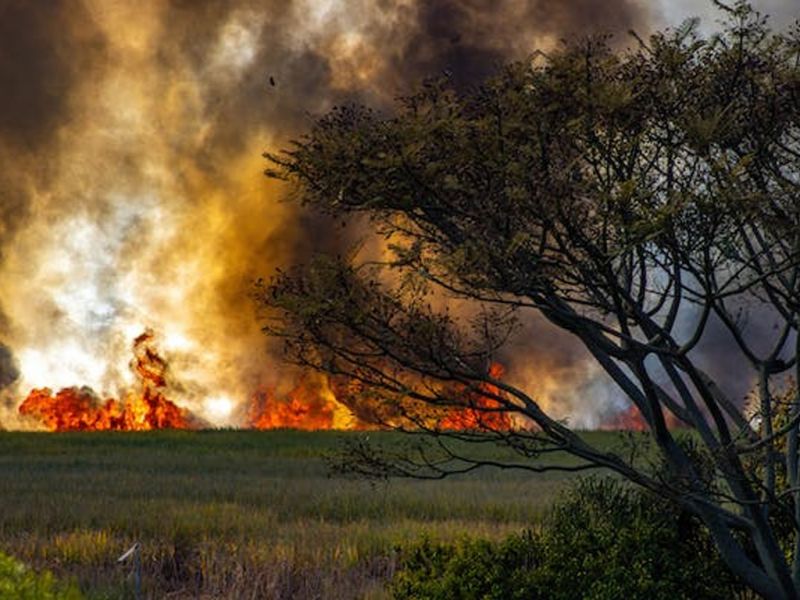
143	408
313	403
310	405
222	84
481	412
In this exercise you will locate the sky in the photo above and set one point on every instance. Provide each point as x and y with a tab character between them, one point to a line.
132	193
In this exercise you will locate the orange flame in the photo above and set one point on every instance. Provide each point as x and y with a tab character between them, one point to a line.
480	413
80	409
309	405
631	419
316	400
628	420
314	403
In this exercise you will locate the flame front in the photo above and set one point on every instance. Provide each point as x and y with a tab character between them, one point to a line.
79	409
314	402
627	420
482	412
309	405
143	408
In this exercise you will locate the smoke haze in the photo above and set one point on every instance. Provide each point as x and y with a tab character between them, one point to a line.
131	186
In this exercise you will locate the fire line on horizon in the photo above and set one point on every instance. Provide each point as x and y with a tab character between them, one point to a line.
132	197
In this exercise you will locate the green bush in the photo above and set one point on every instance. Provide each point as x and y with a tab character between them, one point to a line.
602	540
470	569
18	582
611	541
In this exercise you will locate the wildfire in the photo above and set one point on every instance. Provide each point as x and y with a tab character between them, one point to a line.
482	412
315	402
310	405
80	409
628	420
632	420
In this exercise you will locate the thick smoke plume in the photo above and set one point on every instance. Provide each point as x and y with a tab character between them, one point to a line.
131	186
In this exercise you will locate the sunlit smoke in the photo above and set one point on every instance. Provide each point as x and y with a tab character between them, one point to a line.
132	193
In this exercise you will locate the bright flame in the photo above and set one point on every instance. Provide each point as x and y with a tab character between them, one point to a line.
144	219
480	412
308	405
219	408
143	408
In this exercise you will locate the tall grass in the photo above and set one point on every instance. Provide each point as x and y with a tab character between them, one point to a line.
235	513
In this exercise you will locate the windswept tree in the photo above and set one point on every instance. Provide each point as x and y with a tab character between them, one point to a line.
634	200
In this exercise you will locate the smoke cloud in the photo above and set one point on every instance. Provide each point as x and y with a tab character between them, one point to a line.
131	186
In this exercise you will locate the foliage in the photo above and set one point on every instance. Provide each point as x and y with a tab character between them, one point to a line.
783	509
615	542
19	582
601	541
639	202
469	569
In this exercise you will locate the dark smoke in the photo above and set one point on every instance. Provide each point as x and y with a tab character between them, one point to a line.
8	367
397	44
40	62
469	39
124	120
47	49
302	68
8	375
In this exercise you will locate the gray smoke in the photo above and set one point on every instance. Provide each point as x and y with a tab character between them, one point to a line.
131	191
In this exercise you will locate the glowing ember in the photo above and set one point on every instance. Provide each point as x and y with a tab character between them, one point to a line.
80	409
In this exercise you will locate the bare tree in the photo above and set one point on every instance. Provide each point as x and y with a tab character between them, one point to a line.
633	200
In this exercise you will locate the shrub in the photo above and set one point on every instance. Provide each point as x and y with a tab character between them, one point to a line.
468	569
602	540
21	583
607	540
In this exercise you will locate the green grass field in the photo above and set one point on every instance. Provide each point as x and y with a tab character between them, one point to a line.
236	514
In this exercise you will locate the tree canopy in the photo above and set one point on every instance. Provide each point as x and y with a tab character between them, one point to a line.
631	199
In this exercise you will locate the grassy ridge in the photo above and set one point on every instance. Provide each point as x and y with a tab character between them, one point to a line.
236	513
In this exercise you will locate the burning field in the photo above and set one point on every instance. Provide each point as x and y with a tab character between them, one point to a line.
143	408
133	197
137	229
311	404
